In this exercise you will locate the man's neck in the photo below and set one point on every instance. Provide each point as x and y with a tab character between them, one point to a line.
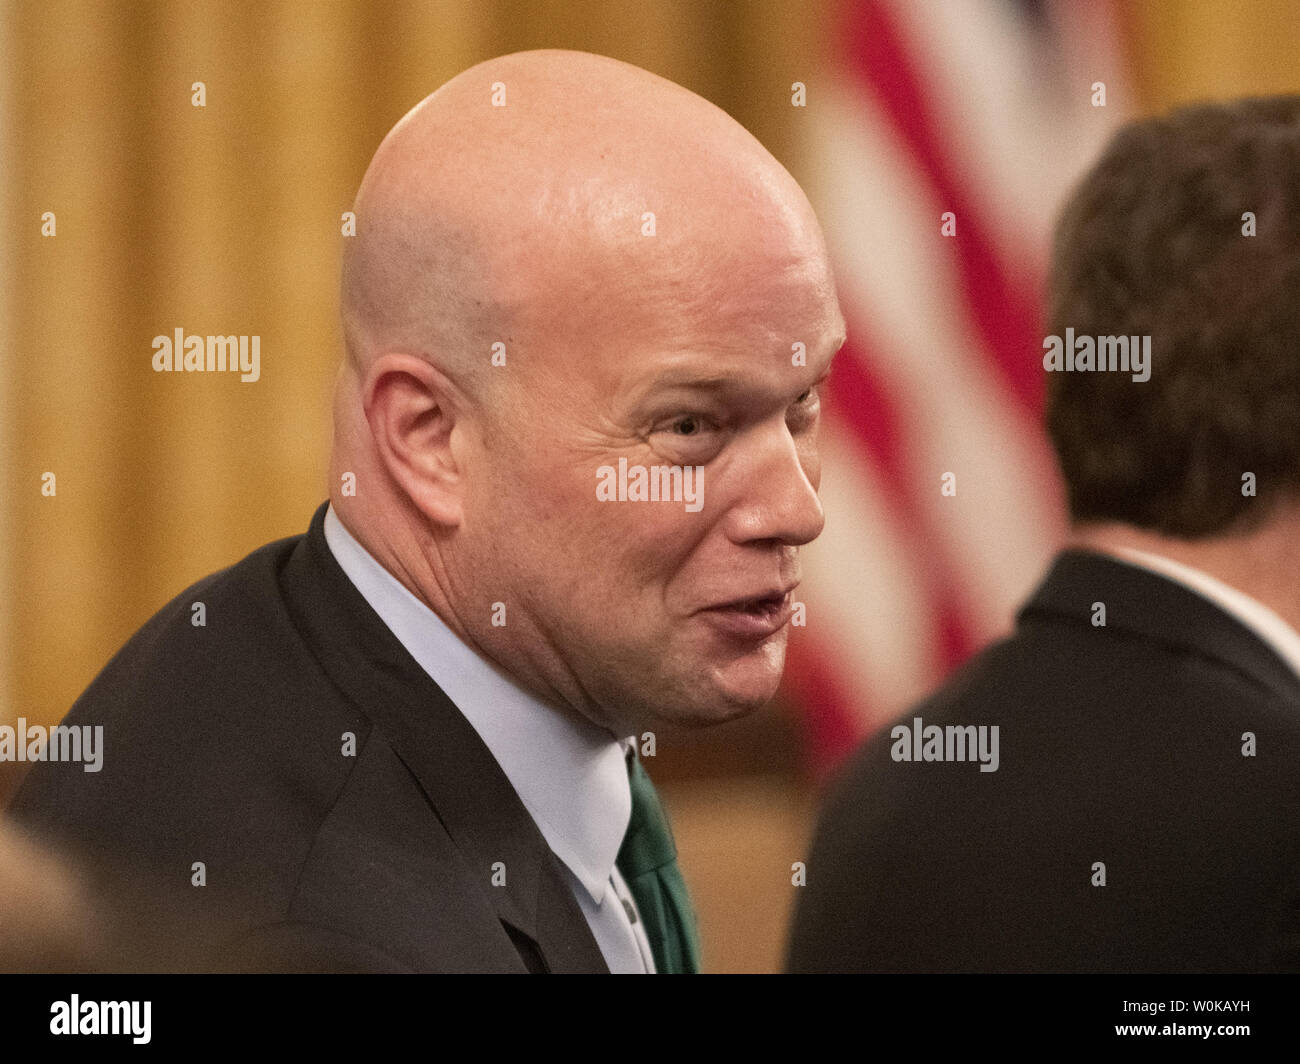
400	554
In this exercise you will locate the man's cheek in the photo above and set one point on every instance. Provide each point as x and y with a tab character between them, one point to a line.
543	495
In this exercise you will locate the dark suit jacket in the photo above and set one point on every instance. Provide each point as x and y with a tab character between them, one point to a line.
1120	744
224	745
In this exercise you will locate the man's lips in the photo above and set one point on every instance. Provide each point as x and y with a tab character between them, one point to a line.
752	617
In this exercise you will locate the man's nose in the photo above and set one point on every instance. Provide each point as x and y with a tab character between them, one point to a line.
776	499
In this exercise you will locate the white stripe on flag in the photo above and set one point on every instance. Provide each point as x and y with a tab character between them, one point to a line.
867	601
1018	138
898	278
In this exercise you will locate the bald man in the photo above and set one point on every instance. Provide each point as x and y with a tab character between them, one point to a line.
586	316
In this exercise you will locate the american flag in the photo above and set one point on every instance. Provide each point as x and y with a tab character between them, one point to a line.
941	146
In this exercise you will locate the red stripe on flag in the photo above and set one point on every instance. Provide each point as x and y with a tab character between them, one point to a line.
1004	316
872	423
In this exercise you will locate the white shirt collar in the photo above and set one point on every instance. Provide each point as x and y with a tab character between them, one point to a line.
570	774
1272	629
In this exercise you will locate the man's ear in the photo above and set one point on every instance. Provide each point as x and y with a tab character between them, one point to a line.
412	409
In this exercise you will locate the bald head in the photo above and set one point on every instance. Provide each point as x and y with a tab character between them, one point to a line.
527	183
565	266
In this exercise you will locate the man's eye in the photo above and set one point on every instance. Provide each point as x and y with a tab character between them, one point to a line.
695	435
804	398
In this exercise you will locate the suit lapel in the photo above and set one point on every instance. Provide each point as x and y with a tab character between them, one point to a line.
458	774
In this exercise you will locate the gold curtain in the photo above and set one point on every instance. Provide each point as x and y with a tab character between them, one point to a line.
1186	50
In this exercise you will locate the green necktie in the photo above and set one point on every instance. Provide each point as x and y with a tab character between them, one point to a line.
648	862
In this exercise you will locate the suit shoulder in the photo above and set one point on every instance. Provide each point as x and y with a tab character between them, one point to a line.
224	744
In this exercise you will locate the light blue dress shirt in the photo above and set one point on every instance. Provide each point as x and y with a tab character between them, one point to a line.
570	774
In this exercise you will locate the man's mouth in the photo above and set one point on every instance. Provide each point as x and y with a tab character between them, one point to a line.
752	618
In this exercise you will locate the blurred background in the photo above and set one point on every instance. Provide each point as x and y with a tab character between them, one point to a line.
935	139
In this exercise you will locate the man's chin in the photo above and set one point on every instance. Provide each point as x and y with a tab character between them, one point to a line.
698	689
737	689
